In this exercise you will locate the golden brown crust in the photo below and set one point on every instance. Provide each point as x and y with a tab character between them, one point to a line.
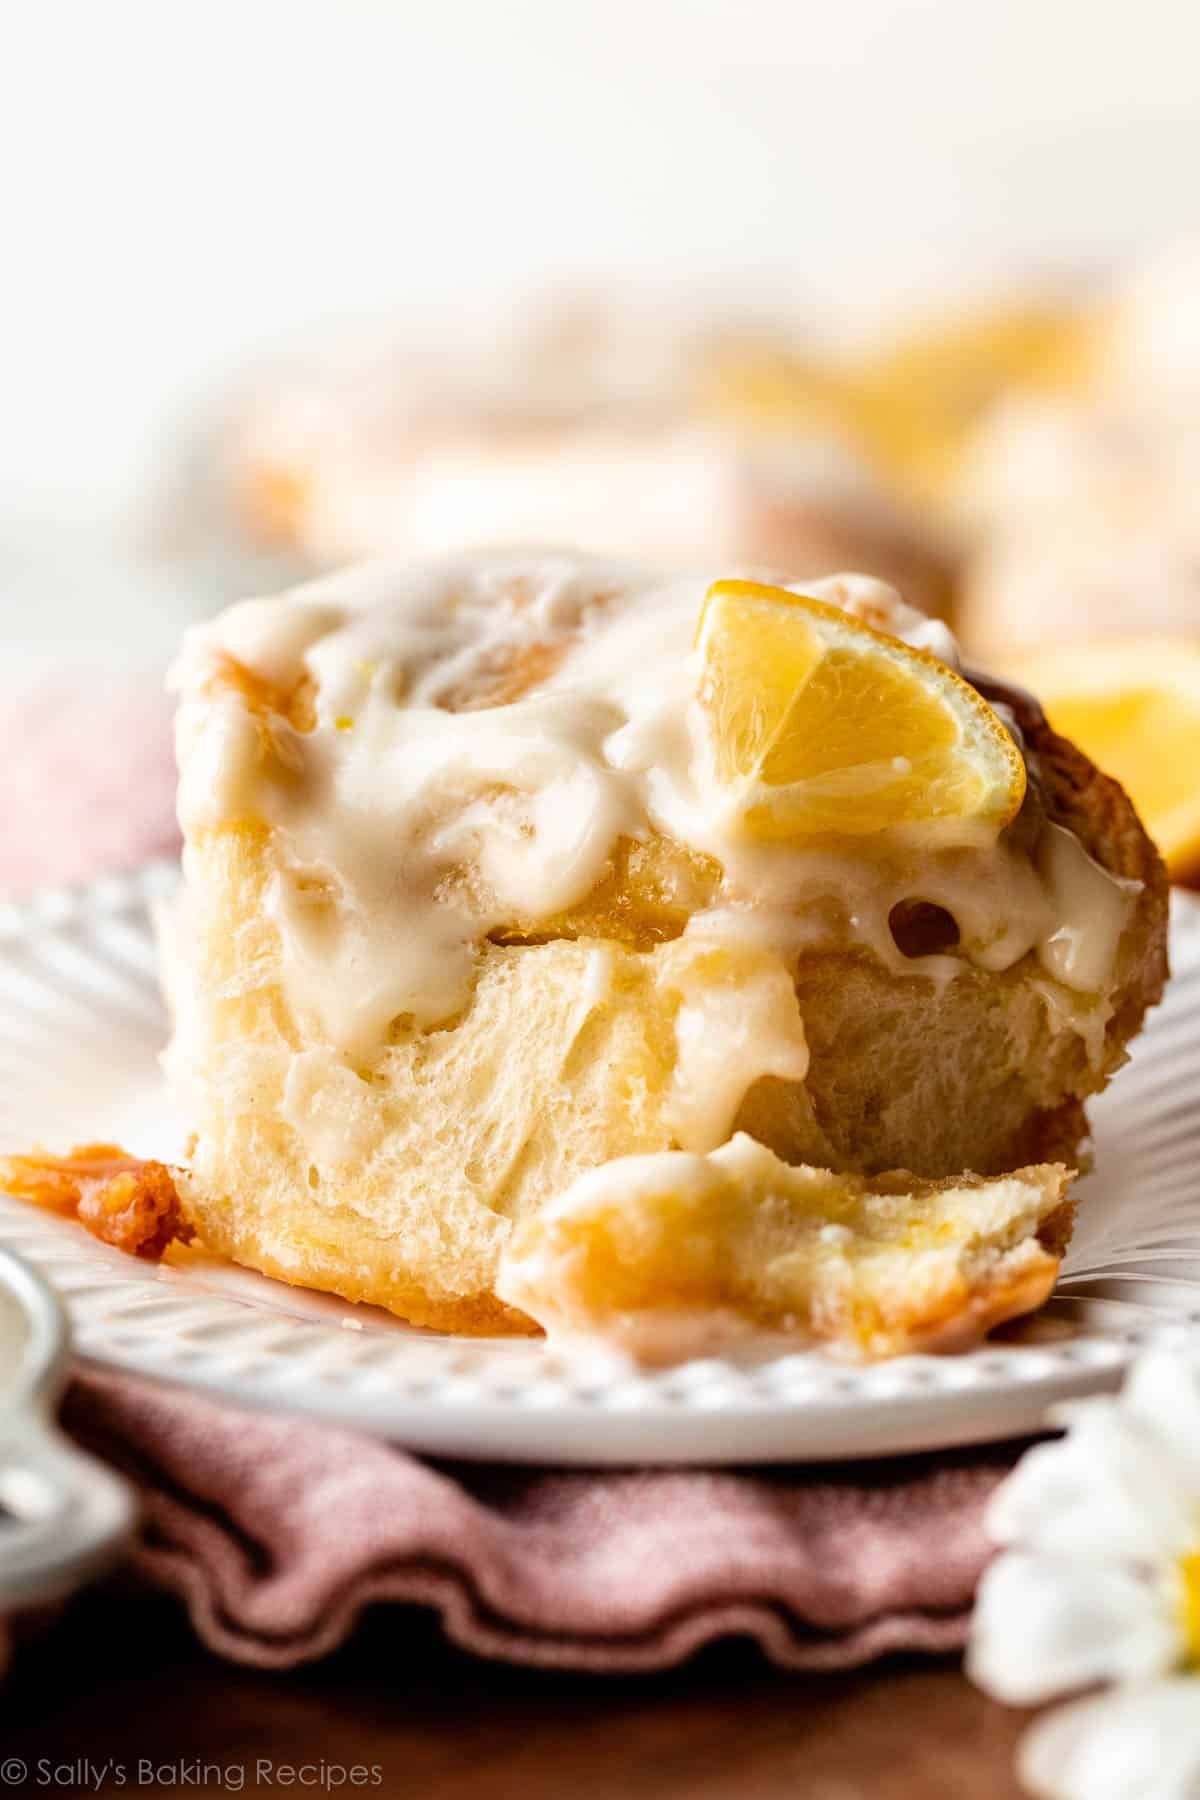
1076	794
1010	1295
1006	1298
332	1270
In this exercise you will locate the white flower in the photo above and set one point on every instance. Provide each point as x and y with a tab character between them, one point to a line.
1099	1581
1135	1743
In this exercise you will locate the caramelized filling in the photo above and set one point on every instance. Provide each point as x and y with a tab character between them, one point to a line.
298	705
647	895
510	672
121	1199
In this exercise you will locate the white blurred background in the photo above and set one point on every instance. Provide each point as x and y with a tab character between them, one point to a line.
183	181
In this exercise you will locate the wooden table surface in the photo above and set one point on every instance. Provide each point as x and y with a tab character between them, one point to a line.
119	1678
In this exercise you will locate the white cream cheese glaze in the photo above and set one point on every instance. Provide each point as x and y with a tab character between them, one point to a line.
407	831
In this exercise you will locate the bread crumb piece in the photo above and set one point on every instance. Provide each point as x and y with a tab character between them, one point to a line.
672	1255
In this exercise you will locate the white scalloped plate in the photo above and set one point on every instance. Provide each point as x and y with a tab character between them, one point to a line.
81	1025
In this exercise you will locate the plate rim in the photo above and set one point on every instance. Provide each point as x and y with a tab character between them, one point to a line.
704	1412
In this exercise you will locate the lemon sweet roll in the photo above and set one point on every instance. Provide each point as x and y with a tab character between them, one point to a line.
533	898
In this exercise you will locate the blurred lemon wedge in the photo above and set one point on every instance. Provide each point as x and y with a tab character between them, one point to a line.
1135	709
820	726
921	395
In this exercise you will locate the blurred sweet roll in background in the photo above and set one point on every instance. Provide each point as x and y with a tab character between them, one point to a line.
658	431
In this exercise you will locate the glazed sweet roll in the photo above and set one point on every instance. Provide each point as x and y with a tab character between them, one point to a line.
507	866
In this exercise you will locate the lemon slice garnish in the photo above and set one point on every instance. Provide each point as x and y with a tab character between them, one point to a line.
1135	709
820	726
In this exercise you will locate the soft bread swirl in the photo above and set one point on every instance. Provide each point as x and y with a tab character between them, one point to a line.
395	1174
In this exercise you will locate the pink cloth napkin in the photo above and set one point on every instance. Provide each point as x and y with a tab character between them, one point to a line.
277	1532
88	779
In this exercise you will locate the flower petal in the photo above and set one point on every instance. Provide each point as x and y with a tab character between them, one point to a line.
1109	1489
1048	1625
1140	1743
1162	1392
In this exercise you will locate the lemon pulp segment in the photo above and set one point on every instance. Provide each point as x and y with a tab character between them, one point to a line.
820	725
